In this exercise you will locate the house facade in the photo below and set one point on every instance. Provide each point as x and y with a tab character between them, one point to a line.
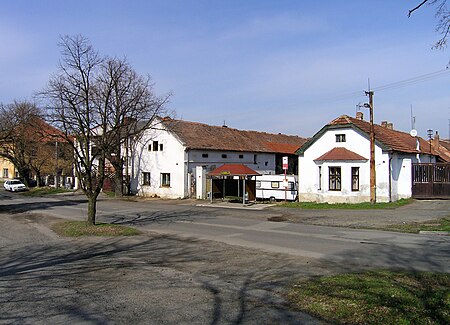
334	165
172	160
7	169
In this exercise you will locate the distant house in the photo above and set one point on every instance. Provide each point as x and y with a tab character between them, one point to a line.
171	161
8	171
334	163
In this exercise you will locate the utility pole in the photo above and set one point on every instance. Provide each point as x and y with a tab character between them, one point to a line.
373	195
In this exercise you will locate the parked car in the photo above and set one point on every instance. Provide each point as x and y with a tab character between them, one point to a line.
14	185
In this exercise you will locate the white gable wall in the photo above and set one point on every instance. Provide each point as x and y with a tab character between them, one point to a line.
170	160
309	189
393	170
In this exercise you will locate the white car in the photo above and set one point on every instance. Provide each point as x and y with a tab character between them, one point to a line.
14	185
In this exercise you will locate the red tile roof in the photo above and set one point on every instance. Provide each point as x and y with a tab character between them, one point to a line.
203	136
395	140
233	170
444	150
340	153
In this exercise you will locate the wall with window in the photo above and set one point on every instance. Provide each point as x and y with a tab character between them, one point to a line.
263	163
7	169
159	166
315	183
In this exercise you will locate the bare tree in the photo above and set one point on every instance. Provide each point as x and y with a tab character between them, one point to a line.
442	14
129	106
97	102
19	138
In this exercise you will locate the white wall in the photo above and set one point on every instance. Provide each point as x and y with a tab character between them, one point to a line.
170	160
309	189
265	162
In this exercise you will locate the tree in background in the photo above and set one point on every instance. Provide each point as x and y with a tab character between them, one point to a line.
98	103
28	142
442	14
19	136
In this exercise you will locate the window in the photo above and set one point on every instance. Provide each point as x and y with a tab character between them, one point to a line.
149	147
340	137
254	159
204	155
161	147
146	178
224	155
320	178
355	178
155	145
165	180
5	173
275	184
258	184
266	163
241	156
334	178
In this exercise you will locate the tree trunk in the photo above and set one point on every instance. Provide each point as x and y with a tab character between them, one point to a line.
92	209
38	178
118	181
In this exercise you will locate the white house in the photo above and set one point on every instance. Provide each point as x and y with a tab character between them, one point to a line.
171	161
334	164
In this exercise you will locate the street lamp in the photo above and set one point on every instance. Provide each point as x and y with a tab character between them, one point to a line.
369	105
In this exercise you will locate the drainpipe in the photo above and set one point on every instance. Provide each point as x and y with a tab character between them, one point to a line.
390	178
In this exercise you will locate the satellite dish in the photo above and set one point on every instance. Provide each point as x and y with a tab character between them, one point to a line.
413	132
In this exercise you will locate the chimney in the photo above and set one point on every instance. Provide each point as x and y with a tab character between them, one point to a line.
360	116
390	125
436	141
384	124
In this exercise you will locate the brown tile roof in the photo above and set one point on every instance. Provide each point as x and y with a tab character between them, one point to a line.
340	153
203	136
233	170
444	150
395	140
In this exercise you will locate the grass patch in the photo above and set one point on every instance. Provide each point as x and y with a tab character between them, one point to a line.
351	206
415	227
376	297
41	191
82	228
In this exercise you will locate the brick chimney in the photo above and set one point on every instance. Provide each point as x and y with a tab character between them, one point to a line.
360	116
384	124
436	141
390	125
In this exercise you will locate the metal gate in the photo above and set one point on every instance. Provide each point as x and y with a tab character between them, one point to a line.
431	181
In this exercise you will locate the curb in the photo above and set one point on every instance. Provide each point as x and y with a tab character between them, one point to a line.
439	233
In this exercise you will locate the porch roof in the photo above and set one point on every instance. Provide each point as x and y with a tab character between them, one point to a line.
233	170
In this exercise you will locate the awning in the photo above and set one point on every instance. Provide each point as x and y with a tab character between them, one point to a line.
233	170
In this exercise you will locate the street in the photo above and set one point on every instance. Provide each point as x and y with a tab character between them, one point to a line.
191	265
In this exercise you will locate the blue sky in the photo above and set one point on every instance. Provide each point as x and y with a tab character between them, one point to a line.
276	66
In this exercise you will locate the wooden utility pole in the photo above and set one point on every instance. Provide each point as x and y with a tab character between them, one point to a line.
373	190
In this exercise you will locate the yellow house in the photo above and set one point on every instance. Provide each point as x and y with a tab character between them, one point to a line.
7	169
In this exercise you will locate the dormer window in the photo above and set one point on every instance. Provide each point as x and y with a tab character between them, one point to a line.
340	137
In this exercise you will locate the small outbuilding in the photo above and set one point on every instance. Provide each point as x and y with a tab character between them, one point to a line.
236	180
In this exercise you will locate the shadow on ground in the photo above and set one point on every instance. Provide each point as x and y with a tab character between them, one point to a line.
158	280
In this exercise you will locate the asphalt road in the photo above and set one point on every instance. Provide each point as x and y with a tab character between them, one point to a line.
351	247
182	270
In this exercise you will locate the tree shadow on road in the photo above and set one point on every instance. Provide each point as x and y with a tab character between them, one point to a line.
145	279
31	206
147	218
